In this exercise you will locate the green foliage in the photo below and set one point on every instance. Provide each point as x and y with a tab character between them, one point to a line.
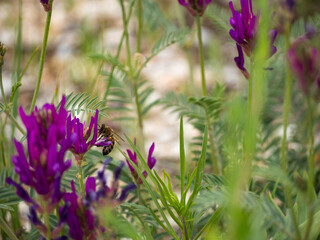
82	102
154	17
219	17
169	39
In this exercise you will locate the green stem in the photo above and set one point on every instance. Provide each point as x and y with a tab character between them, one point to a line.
310	166
18	53
203	79
185	230
141	201
81	180
134	80
211	142
7	229
287	107
106	93
140	25
46	219
204	91
42	57
311	141
126	35
14	121
2	89
250	88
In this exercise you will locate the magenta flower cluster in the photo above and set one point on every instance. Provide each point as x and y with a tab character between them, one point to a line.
305	64
79	212
50	134
133	157
84	140
244	31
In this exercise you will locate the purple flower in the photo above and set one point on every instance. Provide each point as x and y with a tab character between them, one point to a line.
79	213
244	31
195	6
84	141
21	192
47	145
133	156
240	62
105	193
79	217
305	64
244	26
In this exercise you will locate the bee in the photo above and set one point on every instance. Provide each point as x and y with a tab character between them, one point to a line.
110	135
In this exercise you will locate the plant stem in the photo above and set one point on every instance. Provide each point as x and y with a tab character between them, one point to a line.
81	177
126	35
287	107
134	80
118	53
18	53
203	79
14	121
204	91
185	230
42	57
311	141
140	25
46	219
211	142
2	89
310	166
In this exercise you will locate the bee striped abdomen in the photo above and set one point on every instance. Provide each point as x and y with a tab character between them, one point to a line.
107	149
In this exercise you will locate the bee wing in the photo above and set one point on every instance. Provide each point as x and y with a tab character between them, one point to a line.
118	138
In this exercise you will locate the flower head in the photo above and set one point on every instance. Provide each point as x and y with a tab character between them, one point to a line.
244	31
195	6
103	192
133	157
42	168
46	5
305	64
87	136
79	218
80	212
244	26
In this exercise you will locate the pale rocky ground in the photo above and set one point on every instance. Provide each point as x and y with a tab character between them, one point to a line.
167	72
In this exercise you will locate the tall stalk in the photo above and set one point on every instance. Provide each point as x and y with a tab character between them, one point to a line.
133	78
106	93
203	77
140	25
42	56
311	193
204	92
286	111
18	55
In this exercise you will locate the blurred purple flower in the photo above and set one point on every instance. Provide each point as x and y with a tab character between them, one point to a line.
133	156
240	62
46	5
78	217
244	31
305	64
79	213
195	6
105	193
83	143
244	25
